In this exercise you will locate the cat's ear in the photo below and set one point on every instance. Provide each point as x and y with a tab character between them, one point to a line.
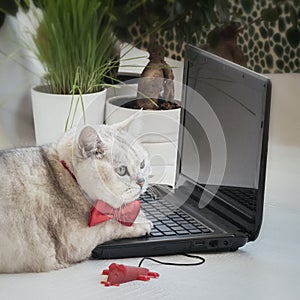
90	143
125	124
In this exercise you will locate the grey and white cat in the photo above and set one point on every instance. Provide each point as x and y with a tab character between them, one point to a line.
44	210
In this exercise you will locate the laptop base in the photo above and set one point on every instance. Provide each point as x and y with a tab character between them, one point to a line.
140	247
199	235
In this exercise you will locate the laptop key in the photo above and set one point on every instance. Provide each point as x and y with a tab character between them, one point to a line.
181	232
164	220
157	223
178	219
170	223
181	214
176	228
172	216
197	230
162	228
169	233
156	233
185	222
188	226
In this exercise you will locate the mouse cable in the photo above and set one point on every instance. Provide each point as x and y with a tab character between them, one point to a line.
200	262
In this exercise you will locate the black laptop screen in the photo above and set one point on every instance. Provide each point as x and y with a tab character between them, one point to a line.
222	125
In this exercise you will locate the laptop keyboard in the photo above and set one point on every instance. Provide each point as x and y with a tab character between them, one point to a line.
244	196
167	219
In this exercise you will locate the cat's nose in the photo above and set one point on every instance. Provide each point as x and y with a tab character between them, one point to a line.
140	181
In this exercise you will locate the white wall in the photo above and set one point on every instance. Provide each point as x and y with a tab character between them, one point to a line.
285	109
16	79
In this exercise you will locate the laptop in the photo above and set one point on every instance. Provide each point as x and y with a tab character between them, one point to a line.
217	201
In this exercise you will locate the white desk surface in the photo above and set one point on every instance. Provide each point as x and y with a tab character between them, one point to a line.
265	269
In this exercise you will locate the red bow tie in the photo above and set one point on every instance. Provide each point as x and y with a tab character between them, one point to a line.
126	214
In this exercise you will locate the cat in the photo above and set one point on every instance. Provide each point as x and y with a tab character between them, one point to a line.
48	192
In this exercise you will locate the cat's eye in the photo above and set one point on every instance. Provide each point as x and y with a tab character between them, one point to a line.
122	170
142	165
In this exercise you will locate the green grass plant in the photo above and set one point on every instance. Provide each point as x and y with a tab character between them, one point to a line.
74	43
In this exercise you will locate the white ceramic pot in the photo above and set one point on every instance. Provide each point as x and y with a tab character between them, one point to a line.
50	112
157	130
122	90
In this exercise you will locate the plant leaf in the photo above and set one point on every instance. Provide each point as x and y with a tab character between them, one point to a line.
2	18
9	7
293	15
222	9
296	2
213	37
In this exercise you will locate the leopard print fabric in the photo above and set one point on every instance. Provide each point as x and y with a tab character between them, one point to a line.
265	47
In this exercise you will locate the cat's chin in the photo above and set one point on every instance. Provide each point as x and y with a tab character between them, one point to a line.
133	197
132	194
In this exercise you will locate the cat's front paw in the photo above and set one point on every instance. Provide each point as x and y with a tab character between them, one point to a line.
142	226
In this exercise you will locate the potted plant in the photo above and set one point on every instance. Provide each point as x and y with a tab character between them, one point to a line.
75	45
157	126
154	17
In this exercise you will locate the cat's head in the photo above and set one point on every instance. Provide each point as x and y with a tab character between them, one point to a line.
109	164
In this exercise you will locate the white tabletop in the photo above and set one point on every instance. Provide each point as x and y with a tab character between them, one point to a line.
265	269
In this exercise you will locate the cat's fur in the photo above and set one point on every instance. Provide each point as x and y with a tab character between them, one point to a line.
44	212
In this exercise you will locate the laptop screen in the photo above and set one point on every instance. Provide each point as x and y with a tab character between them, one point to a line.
221	139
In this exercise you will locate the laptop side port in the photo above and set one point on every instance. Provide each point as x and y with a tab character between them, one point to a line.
198	245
